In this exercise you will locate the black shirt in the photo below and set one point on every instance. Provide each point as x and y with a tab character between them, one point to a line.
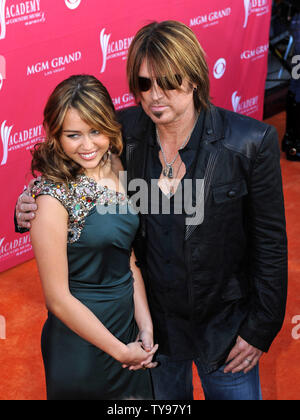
166	266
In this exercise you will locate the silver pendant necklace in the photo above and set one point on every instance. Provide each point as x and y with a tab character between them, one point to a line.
168	169
171	188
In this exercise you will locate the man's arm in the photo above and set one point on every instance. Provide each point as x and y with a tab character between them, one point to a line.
268	259
267	247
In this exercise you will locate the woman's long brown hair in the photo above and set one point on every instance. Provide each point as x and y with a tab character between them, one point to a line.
91	99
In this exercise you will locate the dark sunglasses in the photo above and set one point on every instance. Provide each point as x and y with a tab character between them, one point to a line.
145	83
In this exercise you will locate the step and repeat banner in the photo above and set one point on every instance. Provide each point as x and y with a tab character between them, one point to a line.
43	42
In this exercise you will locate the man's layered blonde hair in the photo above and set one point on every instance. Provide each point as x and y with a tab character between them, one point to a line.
170	49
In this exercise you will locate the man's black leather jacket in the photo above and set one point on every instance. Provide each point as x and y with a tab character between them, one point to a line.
237	257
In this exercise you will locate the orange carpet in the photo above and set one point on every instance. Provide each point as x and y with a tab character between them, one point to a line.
22	306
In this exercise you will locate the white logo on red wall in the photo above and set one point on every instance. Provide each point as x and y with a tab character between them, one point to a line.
254	54
257	7
72	4
5	134
15	248
219	68
2	19
104	40
2	70
123	101
25	12
210	19
113	49
235	99
54	65
244	106
18	140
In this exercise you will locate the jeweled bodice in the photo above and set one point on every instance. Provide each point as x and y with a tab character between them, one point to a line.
79	198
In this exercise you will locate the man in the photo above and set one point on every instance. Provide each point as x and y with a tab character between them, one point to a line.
217	289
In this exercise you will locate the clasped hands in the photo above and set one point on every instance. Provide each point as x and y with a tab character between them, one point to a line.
141	352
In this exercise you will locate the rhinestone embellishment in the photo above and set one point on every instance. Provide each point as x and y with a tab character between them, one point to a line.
79	199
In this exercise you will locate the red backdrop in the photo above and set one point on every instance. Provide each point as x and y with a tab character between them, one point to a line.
43	42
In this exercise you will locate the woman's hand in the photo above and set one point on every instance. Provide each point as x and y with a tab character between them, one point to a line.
146	338
138	357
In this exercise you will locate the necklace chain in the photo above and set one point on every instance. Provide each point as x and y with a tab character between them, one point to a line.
171	188
168	169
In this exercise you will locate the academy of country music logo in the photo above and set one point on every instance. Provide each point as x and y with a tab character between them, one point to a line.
113	49
210	19
244	106
72	4
15	247
5	134
27	12
16	140
257	7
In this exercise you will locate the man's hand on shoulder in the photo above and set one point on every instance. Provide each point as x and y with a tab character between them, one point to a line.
26	208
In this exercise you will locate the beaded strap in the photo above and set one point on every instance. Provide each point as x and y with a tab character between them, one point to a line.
79	198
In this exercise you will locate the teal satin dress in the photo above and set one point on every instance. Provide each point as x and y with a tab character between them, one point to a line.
102	226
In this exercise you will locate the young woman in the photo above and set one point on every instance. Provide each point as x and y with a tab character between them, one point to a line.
98	310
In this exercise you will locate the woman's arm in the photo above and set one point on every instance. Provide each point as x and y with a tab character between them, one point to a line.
142	316
49	240
142	313
141	308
